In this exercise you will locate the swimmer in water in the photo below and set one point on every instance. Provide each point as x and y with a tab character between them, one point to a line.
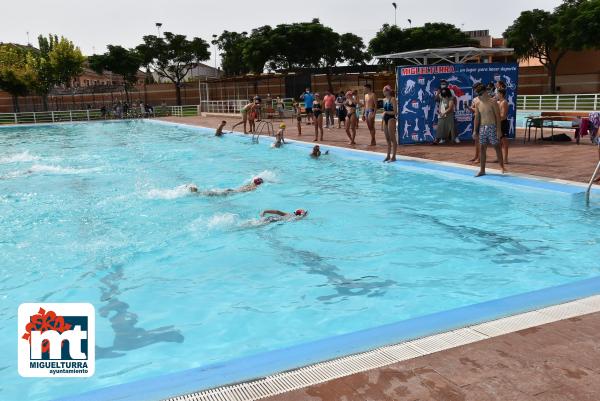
316	152
224	192
279	140
278	215
220	128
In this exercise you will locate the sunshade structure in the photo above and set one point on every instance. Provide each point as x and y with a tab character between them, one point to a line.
452	55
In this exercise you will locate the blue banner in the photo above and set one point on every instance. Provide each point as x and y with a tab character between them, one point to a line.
417	86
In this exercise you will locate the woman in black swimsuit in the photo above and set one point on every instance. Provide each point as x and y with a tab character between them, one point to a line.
390	107
318	115
350	105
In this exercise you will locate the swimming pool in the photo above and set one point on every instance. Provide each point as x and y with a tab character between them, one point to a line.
98	213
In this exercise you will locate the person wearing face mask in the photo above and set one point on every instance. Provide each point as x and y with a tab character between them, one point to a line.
308	98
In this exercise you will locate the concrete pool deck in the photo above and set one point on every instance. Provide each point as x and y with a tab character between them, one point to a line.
565	160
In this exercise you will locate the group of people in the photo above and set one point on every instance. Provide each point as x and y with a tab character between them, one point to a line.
490	120
490	110
266	216
349	109
125	110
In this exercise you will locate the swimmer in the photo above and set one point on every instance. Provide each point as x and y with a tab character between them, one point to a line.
316	152
220	128
278	215
230	191
279	136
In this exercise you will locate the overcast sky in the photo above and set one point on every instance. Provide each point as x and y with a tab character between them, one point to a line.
94	24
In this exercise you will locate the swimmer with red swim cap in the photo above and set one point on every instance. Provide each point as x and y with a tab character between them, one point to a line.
256	182
278	215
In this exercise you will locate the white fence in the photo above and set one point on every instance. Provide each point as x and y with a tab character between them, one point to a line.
93	114
583	102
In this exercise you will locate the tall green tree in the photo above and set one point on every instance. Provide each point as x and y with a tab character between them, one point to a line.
47	77
172	56
578	24
534	35
121	61
258	49
66	61
392	39
347	48
17	72
231	45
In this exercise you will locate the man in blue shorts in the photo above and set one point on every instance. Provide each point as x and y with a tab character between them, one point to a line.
487	114
308	98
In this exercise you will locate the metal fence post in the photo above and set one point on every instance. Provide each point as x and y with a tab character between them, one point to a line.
34	119
16	120
596	102
575	105
52	113
88	114
71	115
556	108
540	103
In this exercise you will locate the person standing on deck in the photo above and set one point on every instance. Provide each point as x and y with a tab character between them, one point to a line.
504	124
490	132
244	111
341	109
350	105
390	109
369	111
476	124
308	98
329	104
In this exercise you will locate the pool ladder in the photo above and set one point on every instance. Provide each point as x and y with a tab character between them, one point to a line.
589	188
261	127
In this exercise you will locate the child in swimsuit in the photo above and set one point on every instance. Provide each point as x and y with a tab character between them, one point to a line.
220	128
279	136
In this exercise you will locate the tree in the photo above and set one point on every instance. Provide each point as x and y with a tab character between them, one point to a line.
46	73
392	39
352	49
17	74
173	56
124	62
232	46
66	60
347	48
534	35
258	49
578	24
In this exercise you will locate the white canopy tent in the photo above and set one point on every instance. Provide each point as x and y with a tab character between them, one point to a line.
452	55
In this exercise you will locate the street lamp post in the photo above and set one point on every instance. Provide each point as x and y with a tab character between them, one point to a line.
409	23
395	13
214	42
158	26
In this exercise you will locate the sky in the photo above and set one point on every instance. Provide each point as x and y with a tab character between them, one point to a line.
92	25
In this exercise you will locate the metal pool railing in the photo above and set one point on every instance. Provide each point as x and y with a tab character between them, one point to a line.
579	102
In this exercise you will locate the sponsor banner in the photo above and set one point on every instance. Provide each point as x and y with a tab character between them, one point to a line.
418	86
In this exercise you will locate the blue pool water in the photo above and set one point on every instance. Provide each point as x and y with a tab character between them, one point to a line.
98	213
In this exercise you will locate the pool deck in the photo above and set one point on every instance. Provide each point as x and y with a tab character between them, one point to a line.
565	160
556	361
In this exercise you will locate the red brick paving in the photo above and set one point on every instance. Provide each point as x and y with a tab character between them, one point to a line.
557	361
565	160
